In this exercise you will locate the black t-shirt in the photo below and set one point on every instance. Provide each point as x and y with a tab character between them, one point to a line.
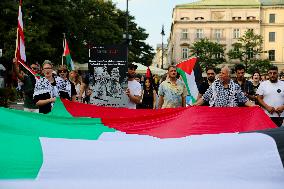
47	107
202	89
65	95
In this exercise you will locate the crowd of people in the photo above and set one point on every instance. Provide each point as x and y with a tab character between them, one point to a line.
155	93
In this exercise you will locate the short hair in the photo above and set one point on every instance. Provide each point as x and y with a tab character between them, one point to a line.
256	71
172	66
210	68
226	68
47	62
239	67
273	68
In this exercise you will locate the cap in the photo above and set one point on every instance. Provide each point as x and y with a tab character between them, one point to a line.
131	66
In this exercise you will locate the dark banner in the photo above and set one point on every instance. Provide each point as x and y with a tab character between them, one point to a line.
108	75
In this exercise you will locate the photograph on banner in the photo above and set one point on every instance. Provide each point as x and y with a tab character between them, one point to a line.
108	75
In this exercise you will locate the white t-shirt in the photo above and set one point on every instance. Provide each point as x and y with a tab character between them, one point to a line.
135	90
273	95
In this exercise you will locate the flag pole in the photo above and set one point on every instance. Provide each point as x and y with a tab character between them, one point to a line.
62	62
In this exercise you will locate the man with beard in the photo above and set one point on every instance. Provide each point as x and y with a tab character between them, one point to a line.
172	91
205	85
224	92
271	96
246	86
134	88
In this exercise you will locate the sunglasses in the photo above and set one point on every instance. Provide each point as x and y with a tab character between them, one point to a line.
62	71
34	68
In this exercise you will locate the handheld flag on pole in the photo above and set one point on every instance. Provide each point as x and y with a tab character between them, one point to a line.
20	53
191	74
66	53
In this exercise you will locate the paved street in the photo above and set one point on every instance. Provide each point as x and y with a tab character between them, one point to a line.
17	105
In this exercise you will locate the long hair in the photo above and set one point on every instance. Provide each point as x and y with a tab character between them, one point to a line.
151	84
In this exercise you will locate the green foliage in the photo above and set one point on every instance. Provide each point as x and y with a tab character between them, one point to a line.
85	23
208	53
247	49
261	65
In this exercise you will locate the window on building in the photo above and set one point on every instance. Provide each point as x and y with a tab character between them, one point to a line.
185	52
271	18
271	36
184	34
271	55
250	53
218	55
199	33
236	33
217	34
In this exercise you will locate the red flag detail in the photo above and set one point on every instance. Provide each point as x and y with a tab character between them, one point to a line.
148	73
187	65
176	122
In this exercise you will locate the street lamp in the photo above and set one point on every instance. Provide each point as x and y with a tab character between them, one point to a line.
127	32
162	33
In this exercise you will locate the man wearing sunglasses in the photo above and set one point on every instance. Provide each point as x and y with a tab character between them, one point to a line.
28	85
68	91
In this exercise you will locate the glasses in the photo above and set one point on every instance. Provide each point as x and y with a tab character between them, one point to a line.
47	68
62	71
34	68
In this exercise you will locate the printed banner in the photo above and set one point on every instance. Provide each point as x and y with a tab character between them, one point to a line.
108	75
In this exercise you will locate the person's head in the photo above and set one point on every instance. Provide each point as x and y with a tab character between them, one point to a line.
35	68
273	74
63	71
172	72
240	71
137	78
74	76
210	74
256	76
224	74
148	84
131	70
47	68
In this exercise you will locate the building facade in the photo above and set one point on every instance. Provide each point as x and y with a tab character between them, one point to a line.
224	21
160	59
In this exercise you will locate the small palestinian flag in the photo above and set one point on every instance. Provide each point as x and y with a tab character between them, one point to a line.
191	74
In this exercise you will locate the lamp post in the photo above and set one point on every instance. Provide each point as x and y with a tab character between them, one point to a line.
162	33
127	32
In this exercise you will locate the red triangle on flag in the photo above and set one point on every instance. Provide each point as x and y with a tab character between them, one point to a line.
187	65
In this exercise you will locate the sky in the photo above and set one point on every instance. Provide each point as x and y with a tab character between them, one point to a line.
151	15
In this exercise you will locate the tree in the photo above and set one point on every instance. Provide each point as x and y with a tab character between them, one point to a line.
248	48
261	65
208	53
85	23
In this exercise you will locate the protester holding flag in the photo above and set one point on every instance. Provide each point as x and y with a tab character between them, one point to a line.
172	91
67	91
28	81
224	92
47	88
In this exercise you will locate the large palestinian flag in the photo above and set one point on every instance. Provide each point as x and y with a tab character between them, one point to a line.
191	74
63	151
